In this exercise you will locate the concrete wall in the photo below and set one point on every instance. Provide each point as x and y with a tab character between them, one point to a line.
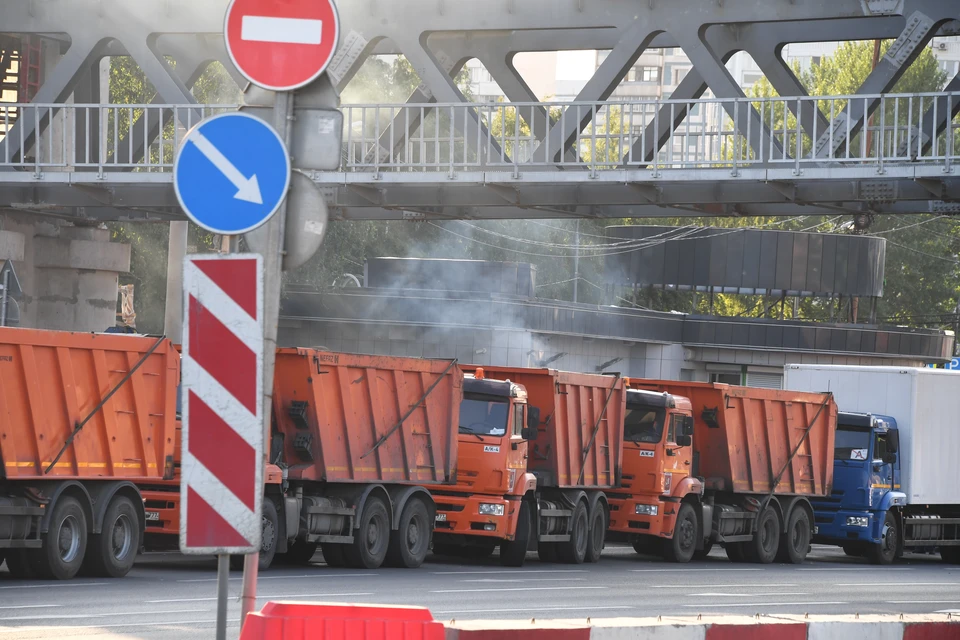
68	274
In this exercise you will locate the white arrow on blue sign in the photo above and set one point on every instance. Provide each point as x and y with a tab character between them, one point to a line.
231	173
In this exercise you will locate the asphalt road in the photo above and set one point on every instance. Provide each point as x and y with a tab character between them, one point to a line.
171	597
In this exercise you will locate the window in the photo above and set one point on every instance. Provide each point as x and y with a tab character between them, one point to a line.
518	418
879	447
643	424
632	74
679	75
483	416
725	378
851	444
649	74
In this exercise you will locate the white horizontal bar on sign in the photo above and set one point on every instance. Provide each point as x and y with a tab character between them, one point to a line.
281	30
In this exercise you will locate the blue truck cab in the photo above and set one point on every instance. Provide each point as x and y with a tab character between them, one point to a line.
859	514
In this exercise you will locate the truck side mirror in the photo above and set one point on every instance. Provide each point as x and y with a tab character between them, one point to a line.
889	457
893	440
533	421
684	441
687	426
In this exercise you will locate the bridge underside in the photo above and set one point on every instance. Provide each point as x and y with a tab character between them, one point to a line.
437	157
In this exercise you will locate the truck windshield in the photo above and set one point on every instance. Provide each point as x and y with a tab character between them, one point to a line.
643	424
851	444
483	416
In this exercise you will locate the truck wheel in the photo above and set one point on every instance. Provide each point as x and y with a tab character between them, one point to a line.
112	552
885	551
369	548
64	544
19	565
598	531
270	526
795	541
547	552
950	555
766	539
513	553
333	555
410	543
574	550
683	544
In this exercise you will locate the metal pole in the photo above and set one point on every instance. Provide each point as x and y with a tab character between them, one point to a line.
173	312
6	290
272	262
223	584
576	263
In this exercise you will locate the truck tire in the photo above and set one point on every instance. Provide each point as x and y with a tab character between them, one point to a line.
299	553
370	542
333	555
795	540
683	544
597	533
410	543
574	550
19	564
112	552
885	551
513	553
64	544
950	555
270	527
853	549
766	539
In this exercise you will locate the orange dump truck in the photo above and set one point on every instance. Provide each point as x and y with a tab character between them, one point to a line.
84	419
711	463
355	440
538	450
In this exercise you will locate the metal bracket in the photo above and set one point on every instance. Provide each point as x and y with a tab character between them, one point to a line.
918	26
882	7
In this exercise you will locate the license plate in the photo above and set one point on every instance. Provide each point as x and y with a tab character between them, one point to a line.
152	515
441	517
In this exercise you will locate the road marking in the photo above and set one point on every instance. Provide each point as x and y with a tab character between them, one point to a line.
856	567
508	571
56	585
899	584
33	606
79	616
742	595
719	586
923	601
281	30
761	604
689	570
158	625
299	595
523	580
459	611
948	611
577	588
314	576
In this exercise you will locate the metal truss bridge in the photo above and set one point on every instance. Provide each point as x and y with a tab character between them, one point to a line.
439	156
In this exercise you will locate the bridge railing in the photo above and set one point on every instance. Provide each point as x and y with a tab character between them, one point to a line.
660	135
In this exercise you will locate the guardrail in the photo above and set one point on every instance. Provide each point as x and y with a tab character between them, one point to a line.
660	135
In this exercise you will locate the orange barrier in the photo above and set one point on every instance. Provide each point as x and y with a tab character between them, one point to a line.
334	621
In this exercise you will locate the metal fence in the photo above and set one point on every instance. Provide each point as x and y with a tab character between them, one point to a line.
661	135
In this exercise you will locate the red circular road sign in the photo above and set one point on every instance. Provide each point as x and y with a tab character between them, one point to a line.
281	45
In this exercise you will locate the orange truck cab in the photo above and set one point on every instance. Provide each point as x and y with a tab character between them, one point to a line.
538	447
657	466
713	464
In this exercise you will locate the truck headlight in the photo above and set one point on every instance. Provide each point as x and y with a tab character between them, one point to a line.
487	509
646	509
858	521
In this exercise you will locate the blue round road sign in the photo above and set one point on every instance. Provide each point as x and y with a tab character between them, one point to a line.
231	173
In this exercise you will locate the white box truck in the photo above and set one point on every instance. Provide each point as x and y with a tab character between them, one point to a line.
896	481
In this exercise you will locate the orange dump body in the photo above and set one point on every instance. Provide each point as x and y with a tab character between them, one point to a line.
336	417
52	380
580	438
743	436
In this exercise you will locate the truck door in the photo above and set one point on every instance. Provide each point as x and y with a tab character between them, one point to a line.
881	477
678	459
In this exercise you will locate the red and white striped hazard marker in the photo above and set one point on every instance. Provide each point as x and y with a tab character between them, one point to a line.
222	389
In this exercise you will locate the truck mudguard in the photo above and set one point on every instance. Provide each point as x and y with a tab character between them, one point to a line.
103	493
400	495
892	499
58	488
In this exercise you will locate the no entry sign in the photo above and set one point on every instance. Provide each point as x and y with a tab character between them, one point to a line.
222	381
282	45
